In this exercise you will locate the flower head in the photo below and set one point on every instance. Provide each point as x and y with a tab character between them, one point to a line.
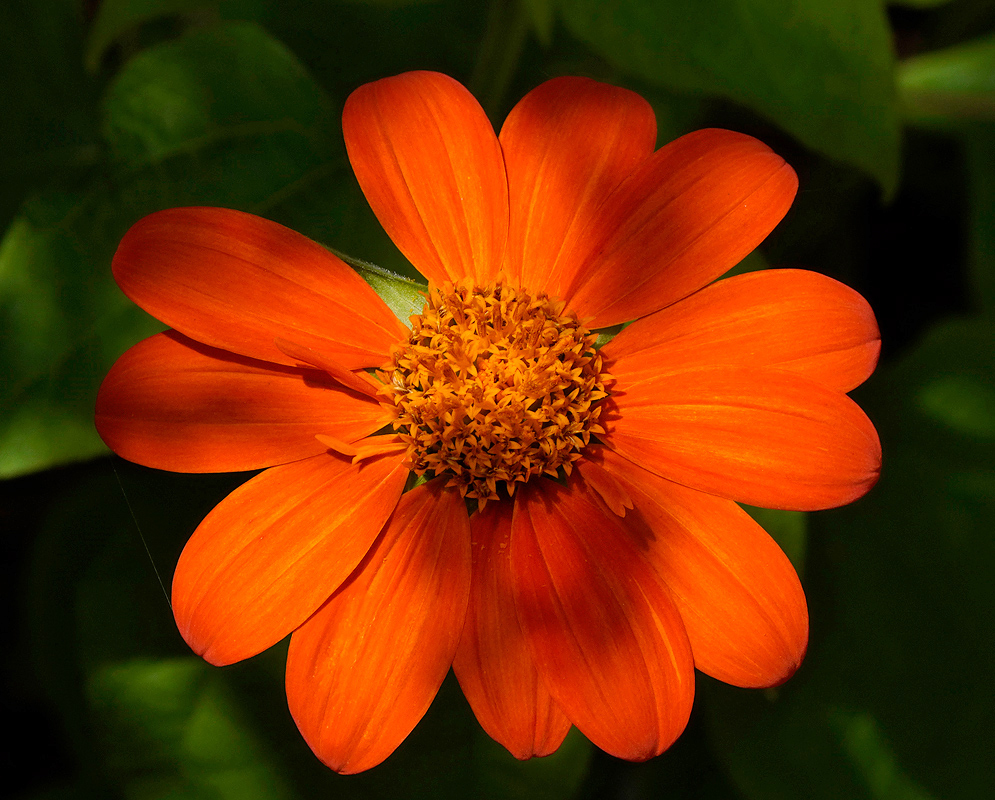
572	546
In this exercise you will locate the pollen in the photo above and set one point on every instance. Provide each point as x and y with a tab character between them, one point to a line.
494	386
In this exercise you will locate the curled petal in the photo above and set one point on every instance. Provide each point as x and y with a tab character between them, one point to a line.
765	437
689	213
238	282
364	669
429	163
786	318
358	381
739	597
493	663
605	634
276	548
566	145
174	404
611	491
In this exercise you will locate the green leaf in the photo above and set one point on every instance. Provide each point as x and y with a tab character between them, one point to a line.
330	208
392	3
792	743
542	15
918	3
964	403
225	116
49	130
788	528
62	323
979	144
117	17
868	750
228	83
823	70
174	728
917	553
499	776
102	539
949	85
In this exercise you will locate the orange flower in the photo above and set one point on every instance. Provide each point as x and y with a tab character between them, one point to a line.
603	556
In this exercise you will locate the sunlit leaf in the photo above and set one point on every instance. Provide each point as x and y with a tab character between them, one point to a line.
821	69
957	83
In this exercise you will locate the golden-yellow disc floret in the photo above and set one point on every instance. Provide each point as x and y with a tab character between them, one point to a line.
494	385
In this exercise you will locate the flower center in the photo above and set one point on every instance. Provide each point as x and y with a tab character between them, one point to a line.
495	384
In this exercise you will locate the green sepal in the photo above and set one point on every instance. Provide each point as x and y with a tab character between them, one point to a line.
403	296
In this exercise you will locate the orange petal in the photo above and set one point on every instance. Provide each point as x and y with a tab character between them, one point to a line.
379	445
605	634
171	403
689	213
337	445
611	491
429	163
364	669
739	597
493	663
276	548
566	145
236	281
792	319
765	437
357	380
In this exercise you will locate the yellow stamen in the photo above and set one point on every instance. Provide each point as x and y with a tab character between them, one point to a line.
495	385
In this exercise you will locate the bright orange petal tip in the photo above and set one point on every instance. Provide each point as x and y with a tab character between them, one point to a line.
493	663
276	548
739	597
356	696
578	573
791	319
686	215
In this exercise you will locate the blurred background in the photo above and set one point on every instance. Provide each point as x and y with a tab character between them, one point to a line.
112	109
